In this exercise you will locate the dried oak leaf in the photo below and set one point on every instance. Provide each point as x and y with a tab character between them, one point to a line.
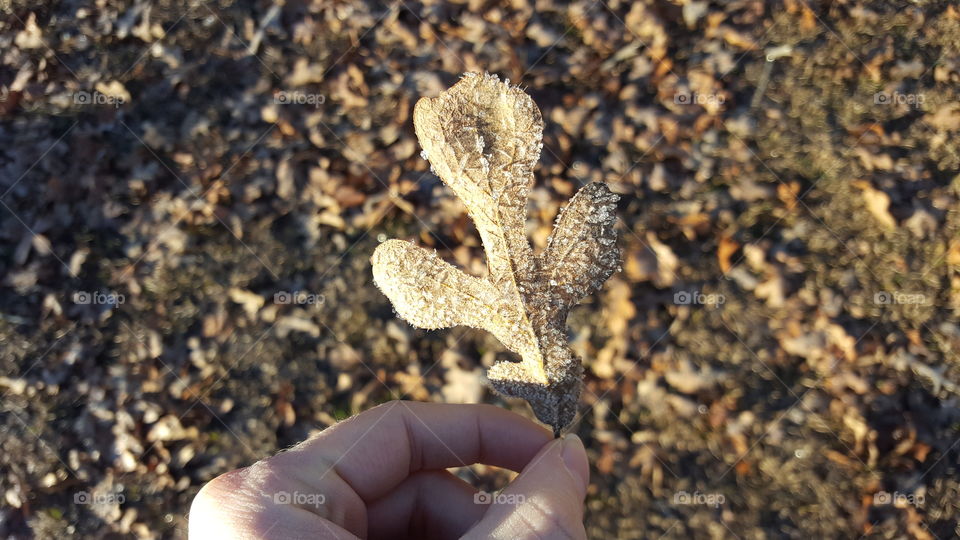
483	139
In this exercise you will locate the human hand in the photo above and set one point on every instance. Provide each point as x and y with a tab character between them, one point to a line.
382	474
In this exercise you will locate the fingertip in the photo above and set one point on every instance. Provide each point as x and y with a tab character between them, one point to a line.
543	501
575	459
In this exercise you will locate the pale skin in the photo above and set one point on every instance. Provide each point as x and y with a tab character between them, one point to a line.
383	474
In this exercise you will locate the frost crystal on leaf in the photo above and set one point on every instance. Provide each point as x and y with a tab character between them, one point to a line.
483	139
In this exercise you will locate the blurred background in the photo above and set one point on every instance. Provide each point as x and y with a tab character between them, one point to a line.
190	194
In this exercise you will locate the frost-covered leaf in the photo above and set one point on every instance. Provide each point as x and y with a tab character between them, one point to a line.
582	251
483	138
428	291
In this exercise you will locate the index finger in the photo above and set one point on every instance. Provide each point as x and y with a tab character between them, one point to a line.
377	449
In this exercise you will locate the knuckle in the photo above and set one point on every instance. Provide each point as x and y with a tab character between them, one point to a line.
218	494
228	482
390	407
226	490
486	407
392	403
214	503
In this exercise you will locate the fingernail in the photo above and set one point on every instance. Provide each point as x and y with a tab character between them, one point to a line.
575	459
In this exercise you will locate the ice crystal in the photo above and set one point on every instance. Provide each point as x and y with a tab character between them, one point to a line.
483	139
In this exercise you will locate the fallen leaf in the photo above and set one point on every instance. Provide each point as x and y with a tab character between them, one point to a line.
725	249
877	203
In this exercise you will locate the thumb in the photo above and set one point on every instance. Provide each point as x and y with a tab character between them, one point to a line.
545	500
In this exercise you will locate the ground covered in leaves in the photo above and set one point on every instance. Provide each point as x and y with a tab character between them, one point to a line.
190	194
